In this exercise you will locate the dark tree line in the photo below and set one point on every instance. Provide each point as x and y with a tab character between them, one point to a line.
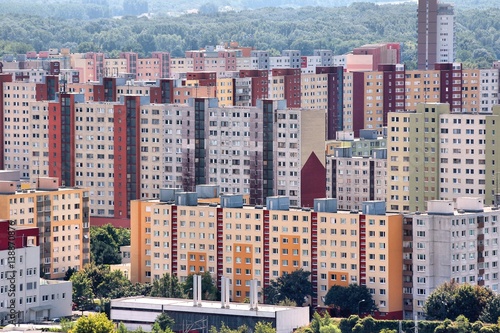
340	29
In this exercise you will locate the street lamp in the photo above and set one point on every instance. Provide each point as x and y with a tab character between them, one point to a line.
275	297
359	303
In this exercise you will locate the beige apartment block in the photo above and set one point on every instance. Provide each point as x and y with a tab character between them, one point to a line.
62	216
180	66
314	89
263	242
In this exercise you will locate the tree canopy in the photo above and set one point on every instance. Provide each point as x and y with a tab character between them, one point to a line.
451	300
94	9
163	323
167	286
105	242
95	323
351	299
98	281
293	286
209	289
339	29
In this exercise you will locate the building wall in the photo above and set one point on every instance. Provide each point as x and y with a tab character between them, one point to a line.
427	33
467	243
445	37
452	162
57	295
256	243
27	286
63	219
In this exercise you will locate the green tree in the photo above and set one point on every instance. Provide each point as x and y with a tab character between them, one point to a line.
350	300
264	327
451	300
156	328
323	324
83	294
69	272
491	311
94	323
209	290
287	302
167	286
105	245
66	325
164	321
99	282
347	324
330	328
225	329
295	286
121	328
137	289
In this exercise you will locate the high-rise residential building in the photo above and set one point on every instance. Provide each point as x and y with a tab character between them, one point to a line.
255	242
356	169
127	147
434	154
435	33
284	84
334	97
61	215
450	242
33	299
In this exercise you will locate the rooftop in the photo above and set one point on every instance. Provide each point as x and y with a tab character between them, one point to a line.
188	305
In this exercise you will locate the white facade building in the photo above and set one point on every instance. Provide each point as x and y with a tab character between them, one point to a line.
452	242
24	296
445	36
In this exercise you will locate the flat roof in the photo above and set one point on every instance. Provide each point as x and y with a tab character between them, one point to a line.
181	303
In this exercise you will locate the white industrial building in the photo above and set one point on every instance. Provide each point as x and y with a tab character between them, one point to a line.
198	315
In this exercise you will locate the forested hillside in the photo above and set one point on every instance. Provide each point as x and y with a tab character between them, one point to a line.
92	9
339	29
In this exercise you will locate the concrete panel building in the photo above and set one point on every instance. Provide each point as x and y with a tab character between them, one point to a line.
434	154
435	32
452	241
62	216
256	242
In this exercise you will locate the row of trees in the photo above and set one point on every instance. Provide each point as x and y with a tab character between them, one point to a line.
76	10
98	282
274	29
93	9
